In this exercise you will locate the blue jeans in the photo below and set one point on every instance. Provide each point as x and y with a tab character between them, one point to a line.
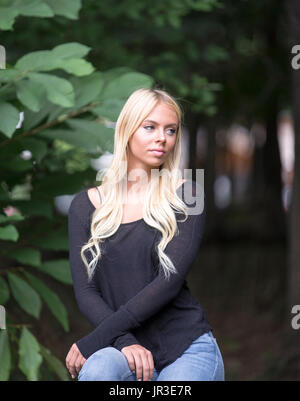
201	361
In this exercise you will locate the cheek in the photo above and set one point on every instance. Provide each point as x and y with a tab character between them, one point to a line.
140	141
172	142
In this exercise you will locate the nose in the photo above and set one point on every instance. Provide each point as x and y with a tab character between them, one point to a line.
160	134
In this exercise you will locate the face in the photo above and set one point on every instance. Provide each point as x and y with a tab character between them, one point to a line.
157	132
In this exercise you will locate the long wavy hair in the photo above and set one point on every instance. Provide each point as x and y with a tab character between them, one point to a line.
161	200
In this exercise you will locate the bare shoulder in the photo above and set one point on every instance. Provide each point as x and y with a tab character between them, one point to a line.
93	194
180	183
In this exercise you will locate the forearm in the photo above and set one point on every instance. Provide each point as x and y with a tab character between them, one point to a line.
96	318
87	294
106	333
125	318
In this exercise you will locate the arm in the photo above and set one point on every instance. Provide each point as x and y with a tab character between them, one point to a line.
182	250
88	297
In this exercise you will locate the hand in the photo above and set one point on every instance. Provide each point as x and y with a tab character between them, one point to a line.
139	360
74	361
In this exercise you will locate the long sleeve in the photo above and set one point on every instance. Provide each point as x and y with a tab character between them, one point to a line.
88	297
182	250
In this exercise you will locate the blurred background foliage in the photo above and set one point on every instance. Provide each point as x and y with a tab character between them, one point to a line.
70	65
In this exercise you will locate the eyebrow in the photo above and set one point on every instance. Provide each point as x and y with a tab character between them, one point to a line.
154	122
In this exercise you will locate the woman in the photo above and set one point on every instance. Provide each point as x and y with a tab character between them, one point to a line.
130	255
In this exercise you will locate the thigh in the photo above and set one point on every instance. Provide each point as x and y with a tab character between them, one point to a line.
107	364
201	361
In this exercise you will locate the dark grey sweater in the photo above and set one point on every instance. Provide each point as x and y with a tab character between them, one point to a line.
129	301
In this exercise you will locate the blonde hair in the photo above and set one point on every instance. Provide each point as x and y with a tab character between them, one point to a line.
161	196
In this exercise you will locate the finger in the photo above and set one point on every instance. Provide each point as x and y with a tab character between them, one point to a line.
72	368
130	360
78	363
151	365
138	365
146	367
69	357
82	362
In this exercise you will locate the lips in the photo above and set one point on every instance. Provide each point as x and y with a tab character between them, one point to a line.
157	152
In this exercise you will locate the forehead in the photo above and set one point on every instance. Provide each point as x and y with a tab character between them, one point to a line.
162	114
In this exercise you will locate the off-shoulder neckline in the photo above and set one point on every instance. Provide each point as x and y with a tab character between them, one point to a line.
122	224
93	207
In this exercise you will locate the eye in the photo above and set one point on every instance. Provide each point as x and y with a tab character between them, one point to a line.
173	131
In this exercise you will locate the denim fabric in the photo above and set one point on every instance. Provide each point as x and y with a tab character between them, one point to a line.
201	361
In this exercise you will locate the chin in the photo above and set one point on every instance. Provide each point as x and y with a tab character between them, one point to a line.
156	164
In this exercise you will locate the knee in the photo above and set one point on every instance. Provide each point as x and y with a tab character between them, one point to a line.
104	364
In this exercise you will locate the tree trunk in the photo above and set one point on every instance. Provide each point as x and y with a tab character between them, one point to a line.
272	176
293	284
271	155
210	176
192	126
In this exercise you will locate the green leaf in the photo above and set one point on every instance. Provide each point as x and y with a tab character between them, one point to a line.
66	8
87	88
8	74
27	298
34	8
90	130
30	94
125	84
47	60
5	356
7	18
54	364
75	139
59	90
27	256
29	355
109	108
9	119
56	240
87	139
57	111
59	269
70	50
13	217
51	299
9	233
76	66
41	60
32	119
4	293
